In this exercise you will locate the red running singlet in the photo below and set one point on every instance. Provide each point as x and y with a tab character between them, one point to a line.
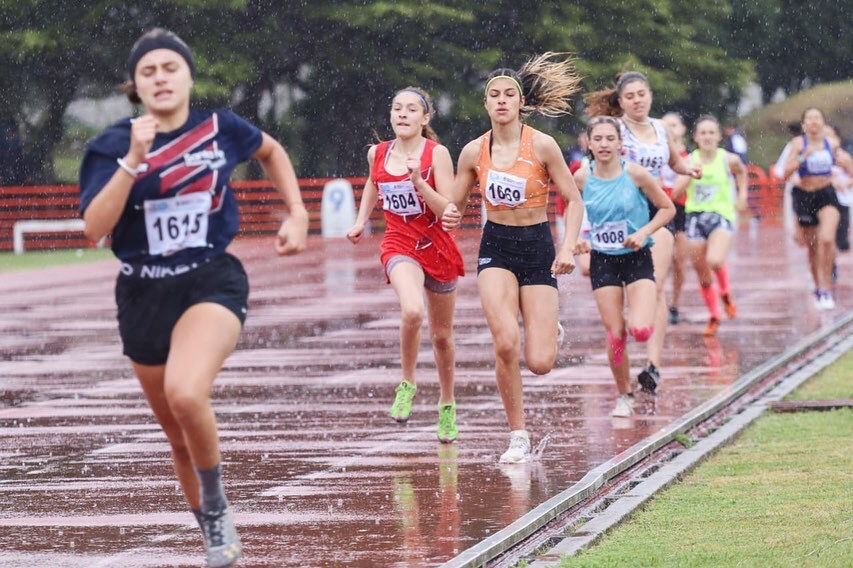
411	228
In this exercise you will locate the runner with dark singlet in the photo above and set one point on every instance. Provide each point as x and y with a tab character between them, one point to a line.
159	184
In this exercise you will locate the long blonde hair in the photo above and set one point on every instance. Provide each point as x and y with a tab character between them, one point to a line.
606	101
547	83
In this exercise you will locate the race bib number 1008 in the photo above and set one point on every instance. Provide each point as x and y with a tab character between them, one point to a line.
177	223
609	235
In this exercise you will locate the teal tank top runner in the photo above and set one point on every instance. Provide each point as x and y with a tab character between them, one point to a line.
616	208
712	193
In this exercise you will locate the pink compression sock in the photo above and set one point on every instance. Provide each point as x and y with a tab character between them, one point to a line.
723	278
617	345
642	334
709	294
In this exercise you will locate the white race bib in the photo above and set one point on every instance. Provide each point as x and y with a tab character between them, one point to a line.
704	193
400	197
505	189
609	235
177	223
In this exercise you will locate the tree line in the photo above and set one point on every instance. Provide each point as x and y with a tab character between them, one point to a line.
319	74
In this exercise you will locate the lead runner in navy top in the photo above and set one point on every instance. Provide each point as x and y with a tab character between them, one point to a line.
197	158
159	184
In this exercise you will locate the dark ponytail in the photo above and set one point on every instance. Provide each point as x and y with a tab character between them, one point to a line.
606	101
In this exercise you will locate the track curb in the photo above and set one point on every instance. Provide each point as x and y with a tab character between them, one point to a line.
524	527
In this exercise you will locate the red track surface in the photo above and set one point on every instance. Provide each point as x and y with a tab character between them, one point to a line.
317	471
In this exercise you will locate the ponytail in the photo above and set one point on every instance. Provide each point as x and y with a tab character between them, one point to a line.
606	101
547	83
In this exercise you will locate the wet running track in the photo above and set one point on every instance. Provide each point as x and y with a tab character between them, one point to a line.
318	473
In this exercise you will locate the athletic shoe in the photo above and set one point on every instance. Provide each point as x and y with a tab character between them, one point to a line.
729	305
673	315
402	407
827	302
220	538
649	378
818	298
447	430
712	327
561	335
519	448
624	406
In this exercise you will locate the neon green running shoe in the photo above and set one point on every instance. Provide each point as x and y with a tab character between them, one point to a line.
447	430
402	407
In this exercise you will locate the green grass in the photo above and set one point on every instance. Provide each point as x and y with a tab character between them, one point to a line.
766	128
779	496
43	259
834	382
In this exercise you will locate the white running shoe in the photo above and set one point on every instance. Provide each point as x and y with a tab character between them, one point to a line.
624	406
220	538
827	302
519	448
561	335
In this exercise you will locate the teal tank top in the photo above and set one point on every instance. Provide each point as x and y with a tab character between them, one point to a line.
616	208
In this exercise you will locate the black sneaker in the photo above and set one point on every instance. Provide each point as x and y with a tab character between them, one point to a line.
673	315
649	378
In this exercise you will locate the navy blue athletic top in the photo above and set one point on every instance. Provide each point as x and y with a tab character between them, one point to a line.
181	189
819	163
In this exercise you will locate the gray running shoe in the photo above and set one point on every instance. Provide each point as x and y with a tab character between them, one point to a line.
220	538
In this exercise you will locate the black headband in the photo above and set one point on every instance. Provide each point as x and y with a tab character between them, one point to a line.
163	40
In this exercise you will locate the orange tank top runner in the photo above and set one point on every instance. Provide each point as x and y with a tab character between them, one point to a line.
525	185
411	228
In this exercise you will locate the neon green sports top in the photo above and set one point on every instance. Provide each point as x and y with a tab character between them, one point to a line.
712	193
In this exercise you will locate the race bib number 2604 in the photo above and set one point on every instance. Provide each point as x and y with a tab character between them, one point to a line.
177	223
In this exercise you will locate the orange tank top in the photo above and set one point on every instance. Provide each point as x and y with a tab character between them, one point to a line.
525	185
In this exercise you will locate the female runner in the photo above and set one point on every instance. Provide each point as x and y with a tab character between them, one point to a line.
711	215
646	142
419	256
514	166
159	184
816	206
676	128
616	196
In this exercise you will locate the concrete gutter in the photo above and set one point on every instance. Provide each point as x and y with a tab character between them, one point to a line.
521	529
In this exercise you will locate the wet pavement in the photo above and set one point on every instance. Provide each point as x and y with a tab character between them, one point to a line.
318	473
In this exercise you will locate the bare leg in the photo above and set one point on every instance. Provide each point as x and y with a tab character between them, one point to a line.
440	309
539	305
662	260
499	297
407	279
201	340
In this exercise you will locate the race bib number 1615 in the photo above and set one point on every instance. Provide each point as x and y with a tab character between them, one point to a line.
177	223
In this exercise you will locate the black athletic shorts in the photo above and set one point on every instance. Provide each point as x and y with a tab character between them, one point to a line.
148	308
527	252
620	269
679	222
808	203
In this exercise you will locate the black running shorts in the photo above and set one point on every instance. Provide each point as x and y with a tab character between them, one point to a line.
620	269
808	203
527	252
148	308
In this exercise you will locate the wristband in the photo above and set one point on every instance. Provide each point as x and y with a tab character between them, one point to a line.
133	172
